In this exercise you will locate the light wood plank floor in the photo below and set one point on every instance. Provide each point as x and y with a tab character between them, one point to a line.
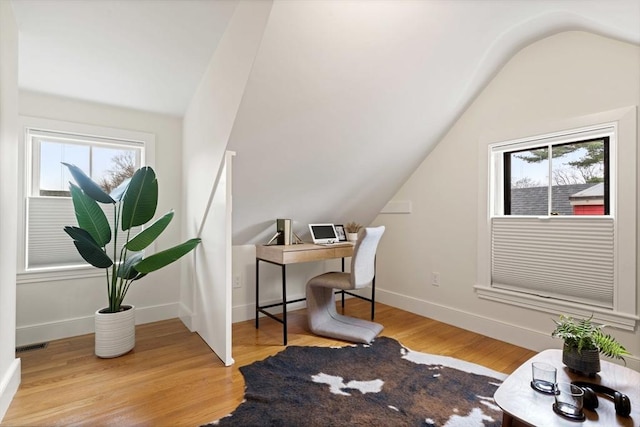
172	378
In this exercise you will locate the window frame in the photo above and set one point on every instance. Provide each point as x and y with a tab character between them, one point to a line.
623	159
29	188
35	137
506	170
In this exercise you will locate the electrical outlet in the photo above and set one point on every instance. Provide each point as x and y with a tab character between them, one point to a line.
237	283
435	278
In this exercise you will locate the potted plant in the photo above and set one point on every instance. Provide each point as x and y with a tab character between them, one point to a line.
135	202
352	229
584	341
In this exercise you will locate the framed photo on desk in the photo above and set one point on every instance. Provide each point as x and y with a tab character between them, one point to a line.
342	236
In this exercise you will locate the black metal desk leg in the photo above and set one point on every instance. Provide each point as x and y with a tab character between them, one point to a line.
342	293
284	304
373	297
257	293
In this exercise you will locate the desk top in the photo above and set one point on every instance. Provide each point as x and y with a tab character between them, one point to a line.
517	398
305	252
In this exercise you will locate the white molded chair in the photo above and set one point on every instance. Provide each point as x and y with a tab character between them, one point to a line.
321	306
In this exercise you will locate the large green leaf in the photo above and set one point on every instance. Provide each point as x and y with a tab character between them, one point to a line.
90	216
149	234
118	192
88	248
166	257
141	199
92	189
126	269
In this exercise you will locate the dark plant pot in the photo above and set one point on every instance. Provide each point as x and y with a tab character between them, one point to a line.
587	362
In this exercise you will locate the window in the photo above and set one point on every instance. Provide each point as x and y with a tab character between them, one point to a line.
107	162
558	179
560	207
109	156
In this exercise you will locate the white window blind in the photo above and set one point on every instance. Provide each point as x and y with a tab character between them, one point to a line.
47	243
565	258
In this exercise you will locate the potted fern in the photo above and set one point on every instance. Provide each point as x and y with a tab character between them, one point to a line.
584	341
134	202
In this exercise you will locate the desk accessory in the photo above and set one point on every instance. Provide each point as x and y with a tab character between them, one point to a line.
284	233
342	235
283	227
323	233
352	228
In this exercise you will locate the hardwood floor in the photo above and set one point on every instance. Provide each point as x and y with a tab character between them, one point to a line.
172	378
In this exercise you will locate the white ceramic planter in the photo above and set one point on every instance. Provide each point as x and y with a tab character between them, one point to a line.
115	332
352	237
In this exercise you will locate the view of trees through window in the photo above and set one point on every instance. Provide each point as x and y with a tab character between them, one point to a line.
107	165
572	178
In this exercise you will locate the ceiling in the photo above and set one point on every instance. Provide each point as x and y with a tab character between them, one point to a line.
142	54
344	100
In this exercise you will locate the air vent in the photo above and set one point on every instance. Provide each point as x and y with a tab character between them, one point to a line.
31	347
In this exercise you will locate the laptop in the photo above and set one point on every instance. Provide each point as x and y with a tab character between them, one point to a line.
323	234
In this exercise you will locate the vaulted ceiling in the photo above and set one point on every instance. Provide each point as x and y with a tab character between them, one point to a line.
345	98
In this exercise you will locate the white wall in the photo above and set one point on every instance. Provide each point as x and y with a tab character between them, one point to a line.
57	309
567	75
208	123
9	365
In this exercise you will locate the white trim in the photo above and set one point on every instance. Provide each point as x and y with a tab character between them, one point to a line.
71	327
486	326
9	384
59	273
612	318
187	316
245	312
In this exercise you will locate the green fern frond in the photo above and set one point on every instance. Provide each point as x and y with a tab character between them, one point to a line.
609	346
583	334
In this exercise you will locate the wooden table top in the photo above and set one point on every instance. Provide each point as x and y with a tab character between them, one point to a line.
516	397
304	252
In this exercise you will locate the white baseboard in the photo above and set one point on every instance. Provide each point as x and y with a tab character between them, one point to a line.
9	386
244	312
500	330
43	332
188	317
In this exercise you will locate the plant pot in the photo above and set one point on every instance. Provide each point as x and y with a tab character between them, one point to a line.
115	332
352	237
587	362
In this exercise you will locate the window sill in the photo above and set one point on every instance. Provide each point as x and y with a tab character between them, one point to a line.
58	274
612	318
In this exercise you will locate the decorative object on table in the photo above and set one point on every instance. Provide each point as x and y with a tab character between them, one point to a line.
352	229
569	401
285	232
342	235
543	377
134	202
382	383
584	341
621	401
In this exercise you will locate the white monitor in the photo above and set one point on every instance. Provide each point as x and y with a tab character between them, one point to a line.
323	233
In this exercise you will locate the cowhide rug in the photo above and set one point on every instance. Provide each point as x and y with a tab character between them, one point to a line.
381	384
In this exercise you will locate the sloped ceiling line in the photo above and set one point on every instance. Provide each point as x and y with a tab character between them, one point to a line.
321	139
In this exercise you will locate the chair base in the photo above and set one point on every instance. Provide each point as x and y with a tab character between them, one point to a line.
324	319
